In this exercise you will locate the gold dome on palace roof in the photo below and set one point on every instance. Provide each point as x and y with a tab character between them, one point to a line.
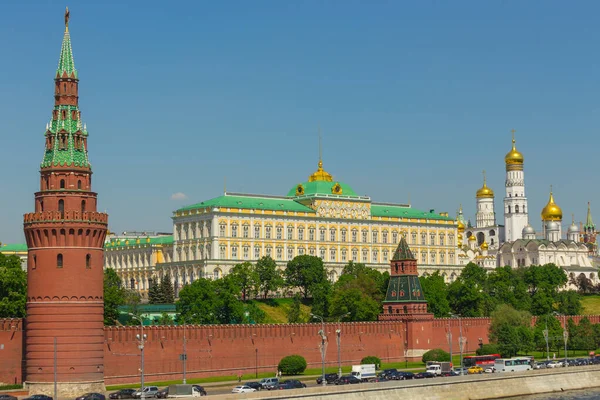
552	212
485	191
484	246
513	156
472	238
320	174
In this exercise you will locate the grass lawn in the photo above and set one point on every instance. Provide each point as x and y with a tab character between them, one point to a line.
276	310
591	305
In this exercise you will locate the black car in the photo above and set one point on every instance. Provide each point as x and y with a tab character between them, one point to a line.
122	394
162	394
387	372
329	378
400	376
422	375
7	397
38	397
200	389
291	384
91	396
347	380
254	385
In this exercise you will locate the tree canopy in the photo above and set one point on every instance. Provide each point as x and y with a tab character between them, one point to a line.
13	287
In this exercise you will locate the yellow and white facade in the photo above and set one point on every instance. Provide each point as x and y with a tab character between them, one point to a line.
319	217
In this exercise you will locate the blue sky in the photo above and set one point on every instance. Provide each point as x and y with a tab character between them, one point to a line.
414	100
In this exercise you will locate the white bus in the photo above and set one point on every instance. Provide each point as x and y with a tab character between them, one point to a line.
512	364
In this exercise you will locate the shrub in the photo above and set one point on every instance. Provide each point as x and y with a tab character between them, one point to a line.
292	365
488	349
436	355
372	360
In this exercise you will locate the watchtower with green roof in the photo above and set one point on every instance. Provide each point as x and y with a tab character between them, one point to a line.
404	299
65	238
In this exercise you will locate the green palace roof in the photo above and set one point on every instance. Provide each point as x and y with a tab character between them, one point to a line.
147	241
18	248
399	211
321	187
251	202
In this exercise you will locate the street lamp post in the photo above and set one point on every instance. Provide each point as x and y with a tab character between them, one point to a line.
546	333
184	355
141	339
450	339
339	343
461	341
323	338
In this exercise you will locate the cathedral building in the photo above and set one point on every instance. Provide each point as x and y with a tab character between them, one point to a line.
320	217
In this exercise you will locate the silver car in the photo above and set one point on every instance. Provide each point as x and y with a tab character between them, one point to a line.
149	392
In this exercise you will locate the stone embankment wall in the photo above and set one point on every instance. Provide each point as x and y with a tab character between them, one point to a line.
492	386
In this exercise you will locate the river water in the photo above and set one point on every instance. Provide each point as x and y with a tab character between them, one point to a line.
587	394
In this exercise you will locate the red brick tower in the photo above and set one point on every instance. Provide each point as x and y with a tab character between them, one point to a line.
65	237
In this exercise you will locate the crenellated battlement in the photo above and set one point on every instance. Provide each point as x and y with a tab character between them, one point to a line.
66	216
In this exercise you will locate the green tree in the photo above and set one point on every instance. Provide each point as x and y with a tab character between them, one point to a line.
293	314
245	277
511	330
305	272
167	290
436	293
555	333
165	319
292	365
358	291
211	302
372	360
13	287
490	348
321	298
569	302
269	277
155	295
543	284
506	286
435	355
114	296
467	295
581	337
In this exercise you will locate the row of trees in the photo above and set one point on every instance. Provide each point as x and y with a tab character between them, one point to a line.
537	289
511	333
161	291
359	292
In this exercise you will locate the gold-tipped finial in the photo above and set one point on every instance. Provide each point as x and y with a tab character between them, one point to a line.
224	185
485	191
514	157
67	16
320	175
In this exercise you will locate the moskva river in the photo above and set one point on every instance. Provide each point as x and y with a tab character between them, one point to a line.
587	394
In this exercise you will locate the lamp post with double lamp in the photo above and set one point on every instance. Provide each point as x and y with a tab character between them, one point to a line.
184	355
338	333
141	339
546	333
323	338
565	335
460	341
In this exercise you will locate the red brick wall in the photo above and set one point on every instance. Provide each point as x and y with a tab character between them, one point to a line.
11	351
229	349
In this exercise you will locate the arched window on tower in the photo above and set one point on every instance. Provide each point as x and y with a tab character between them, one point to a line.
59	261
61	208
88	261
62	183
41	206
33	262
509	209
82	206
79	184
517	208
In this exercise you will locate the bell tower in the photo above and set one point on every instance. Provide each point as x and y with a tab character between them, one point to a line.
65	237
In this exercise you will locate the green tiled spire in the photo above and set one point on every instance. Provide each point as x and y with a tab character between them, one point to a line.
70	155
589	224
66	64
403	251
404	289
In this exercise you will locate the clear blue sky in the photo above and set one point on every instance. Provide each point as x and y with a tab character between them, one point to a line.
413	99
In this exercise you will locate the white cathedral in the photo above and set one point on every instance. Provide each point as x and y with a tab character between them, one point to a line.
516	243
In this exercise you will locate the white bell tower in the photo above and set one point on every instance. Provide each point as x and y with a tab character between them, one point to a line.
515	202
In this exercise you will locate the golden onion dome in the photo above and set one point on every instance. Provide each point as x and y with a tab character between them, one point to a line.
552	212
485	191
320	174
460	236
460	243
484	246
513	156
461	226
472	238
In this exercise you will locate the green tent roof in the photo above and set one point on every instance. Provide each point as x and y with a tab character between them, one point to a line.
404	289
250	202
403	251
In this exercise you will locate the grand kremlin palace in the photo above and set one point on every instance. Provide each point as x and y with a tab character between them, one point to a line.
320	217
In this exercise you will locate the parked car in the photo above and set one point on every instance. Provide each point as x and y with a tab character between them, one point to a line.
539	365
38	397
390	371
291	384
489	370
269	383
243	389
475	370
403	375
425	374
7	397
149	391
347	380
163	394
91	396
329	379
452	372
122	394
254	385
553	364
201	390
